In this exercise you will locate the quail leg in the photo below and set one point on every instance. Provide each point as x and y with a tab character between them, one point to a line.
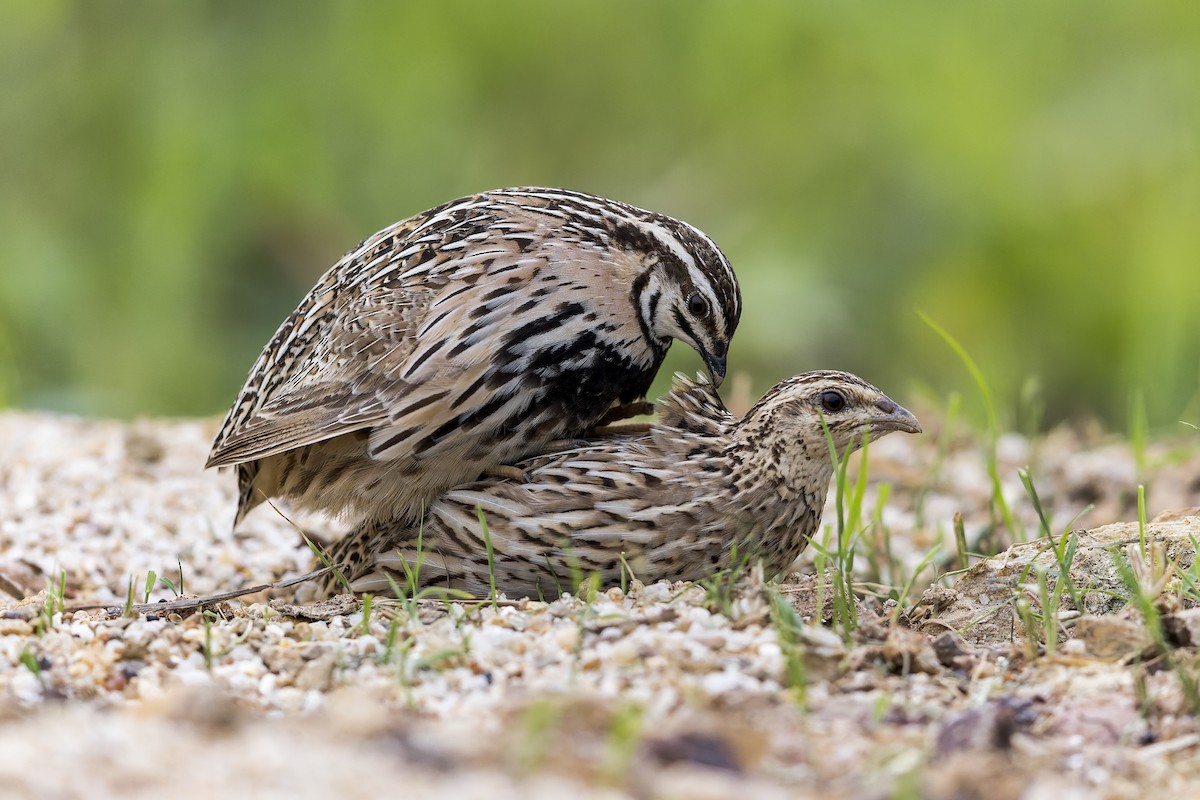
607	426
624	411
622	427
506	471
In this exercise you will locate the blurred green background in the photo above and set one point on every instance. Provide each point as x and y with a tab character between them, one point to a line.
175	176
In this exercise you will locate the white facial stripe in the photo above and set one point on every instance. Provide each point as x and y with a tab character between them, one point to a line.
725	265
604	208
668	241
699	279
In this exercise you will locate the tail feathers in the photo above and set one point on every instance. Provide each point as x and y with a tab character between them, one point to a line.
248	496
693	405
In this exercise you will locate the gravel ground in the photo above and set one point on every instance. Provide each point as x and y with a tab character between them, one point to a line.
660	691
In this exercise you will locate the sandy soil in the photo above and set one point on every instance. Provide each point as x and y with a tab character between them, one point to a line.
659	691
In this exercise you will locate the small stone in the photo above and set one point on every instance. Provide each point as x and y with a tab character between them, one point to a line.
1112	638
317	674
15	627
1183	627
695	748
908	651
949	647
989	727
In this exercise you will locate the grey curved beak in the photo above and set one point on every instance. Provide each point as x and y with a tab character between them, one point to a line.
894	417
716	368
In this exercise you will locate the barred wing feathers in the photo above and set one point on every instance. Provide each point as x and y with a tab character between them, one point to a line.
404	357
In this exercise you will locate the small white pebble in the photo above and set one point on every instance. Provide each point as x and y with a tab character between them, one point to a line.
567	636
622	653
82	631
1074	647
24	686
720	682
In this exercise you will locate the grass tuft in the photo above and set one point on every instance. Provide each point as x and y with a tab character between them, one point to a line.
364	625
316	549
491	555
29	659
1141	500
177	591
208	616
945	437
788	627
1064	546
1139	429
720	588
960	542
993	426
627	576
905	592
537	725
1145	579
849	528
55	603
129	610
621	743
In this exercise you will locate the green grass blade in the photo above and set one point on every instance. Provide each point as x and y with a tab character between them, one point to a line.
993	423
491	555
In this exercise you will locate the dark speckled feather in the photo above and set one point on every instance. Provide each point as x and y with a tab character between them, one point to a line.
467	337
675	502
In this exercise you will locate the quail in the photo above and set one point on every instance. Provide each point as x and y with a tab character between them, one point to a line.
680	501
465	338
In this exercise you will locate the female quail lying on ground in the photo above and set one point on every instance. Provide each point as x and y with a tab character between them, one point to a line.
676	502
466	338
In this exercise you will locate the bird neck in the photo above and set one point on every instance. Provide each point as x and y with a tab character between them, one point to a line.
779	488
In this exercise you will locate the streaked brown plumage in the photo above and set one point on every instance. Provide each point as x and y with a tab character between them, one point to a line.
469	337
677	501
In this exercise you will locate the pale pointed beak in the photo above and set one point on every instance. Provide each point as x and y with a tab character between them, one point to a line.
894	417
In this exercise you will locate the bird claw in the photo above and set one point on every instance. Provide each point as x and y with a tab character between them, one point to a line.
625	411
621	428
558	445
507	471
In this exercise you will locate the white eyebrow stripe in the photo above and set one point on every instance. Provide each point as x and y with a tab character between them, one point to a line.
672	243
699	279
669	241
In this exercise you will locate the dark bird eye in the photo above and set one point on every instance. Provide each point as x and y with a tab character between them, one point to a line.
697	305
832	402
